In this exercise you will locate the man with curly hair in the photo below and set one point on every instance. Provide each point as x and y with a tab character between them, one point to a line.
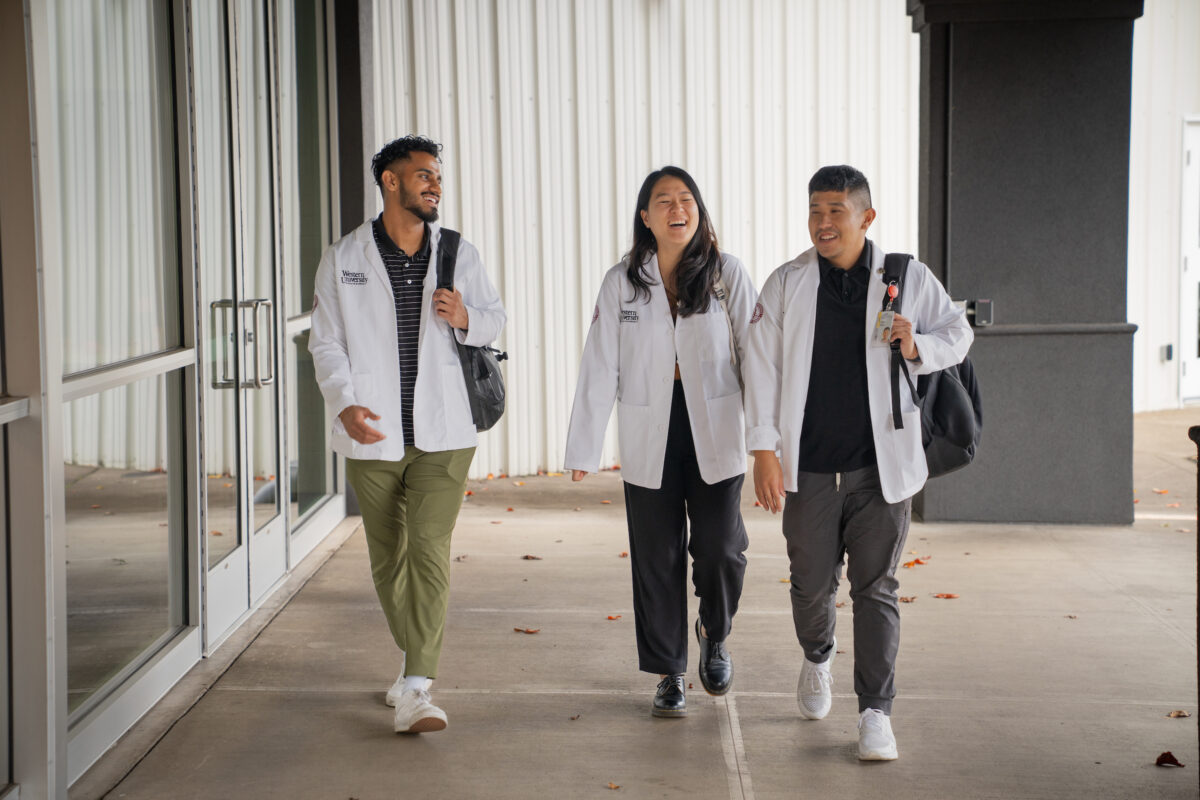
383	346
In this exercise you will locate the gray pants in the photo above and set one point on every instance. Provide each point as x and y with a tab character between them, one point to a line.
823	524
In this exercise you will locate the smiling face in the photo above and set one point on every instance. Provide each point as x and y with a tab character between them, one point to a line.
415	184
838	223
672	214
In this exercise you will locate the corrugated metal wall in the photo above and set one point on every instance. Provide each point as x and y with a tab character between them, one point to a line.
1166	89
553	112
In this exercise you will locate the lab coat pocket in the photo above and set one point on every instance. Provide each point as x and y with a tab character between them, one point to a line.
633	387
454	395
728	427
633	430
719	378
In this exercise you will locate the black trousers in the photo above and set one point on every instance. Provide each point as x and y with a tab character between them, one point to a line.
659	545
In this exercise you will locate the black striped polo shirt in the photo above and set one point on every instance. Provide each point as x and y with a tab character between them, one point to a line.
407	276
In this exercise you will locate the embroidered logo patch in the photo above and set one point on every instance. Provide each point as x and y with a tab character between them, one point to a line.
629	315
596	315
354	278
757	315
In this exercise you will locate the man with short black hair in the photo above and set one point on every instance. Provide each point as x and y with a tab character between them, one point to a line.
818	397
383	345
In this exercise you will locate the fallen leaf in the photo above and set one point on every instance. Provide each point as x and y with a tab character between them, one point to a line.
946	596
914	562
502	475
912	552
227	485
577	508
1167	759
540	472
614	616
215	533
495	522
490	476
463	557
839	605
1160	491
912	599
785	580
1172	505
1136	501
967	553
841	652
531	558
1183	530
95	505
508	509
606	502
526	630
1072	616
1178	714
577	716
616	467
468	493
612	785
757	504
518	483
623	554
554	474
689	686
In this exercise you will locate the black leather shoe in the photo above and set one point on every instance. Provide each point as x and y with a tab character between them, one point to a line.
669	700
716	667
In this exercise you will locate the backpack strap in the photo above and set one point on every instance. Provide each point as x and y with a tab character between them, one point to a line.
895	267
447	258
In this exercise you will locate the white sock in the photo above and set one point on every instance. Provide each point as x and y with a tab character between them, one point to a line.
415	682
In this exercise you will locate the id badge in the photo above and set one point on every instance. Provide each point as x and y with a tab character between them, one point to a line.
883	329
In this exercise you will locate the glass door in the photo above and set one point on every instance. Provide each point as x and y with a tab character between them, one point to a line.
244	529
1189	223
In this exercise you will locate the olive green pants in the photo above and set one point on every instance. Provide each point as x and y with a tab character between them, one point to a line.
409	508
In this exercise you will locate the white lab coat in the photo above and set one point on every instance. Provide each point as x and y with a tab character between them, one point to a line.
779	360
630	357
356	353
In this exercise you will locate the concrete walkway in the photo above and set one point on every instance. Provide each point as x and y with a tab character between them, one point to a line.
1050	676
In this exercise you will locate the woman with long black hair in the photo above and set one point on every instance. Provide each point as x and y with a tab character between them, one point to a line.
666	343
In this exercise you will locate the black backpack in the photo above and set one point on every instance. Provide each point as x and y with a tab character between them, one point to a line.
951	407
481	365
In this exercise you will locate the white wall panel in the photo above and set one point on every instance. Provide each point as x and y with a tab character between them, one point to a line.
1166	89
553	111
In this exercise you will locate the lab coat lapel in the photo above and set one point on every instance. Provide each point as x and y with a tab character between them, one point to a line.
370	252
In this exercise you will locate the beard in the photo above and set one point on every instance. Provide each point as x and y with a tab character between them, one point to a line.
411	202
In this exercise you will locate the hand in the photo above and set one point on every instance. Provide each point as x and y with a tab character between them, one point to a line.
768	480
902	331
354	419
577	474
449	306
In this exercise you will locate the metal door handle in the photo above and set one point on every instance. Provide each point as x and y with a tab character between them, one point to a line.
256	305
221	379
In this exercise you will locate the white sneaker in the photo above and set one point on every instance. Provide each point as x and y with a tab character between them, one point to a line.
875	739
416	713
393	694
814	692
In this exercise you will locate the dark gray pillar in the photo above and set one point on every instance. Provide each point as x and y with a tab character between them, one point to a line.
1024	198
